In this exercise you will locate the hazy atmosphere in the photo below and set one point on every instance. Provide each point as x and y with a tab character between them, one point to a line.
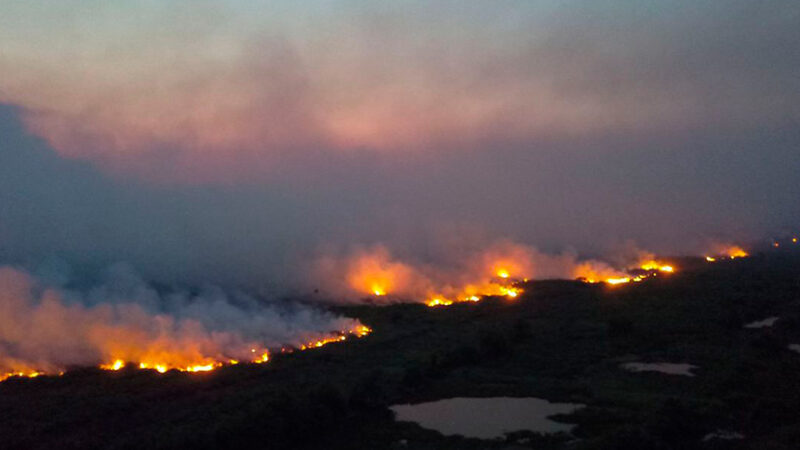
233	142
401	225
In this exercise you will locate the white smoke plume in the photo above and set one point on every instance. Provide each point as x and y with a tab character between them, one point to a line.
47	325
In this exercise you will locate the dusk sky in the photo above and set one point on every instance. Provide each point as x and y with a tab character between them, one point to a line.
233	141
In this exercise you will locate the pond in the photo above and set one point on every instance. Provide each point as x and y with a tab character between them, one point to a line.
768	322
486	418
662	367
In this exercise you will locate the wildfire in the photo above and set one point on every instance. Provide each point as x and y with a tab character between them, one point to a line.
656	265
736	252
32	374
510	292
160	368
439	302
728	252
258	360
475	293
259	357
597	272
116	365
378	291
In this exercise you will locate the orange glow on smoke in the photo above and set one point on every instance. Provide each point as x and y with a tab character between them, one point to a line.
494	277
496	271
727	252
116	365
165	362
373	273
736	252
595	273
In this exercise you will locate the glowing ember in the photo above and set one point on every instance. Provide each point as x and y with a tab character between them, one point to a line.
503	273
614	281
710	259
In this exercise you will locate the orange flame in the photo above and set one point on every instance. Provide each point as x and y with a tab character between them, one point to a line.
727	252
736	252
656	265
163	364
31	374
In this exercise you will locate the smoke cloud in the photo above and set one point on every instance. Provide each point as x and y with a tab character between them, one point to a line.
47	324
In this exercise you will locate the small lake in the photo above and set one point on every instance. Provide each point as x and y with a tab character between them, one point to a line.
768	322
486	418
662	367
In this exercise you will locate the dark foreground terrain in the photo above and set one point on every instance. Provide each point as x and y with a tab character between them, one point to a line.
563	341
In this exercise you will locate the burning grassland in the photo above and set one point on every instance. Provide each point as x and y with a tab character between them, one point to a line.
121	322
500	270
726	251
46	328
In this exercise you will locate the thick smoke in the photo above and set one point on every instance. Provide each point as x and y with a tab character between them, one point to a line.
48	325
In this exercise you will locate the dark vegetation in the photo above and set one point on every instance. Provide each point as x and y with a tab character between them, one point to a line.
561	340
